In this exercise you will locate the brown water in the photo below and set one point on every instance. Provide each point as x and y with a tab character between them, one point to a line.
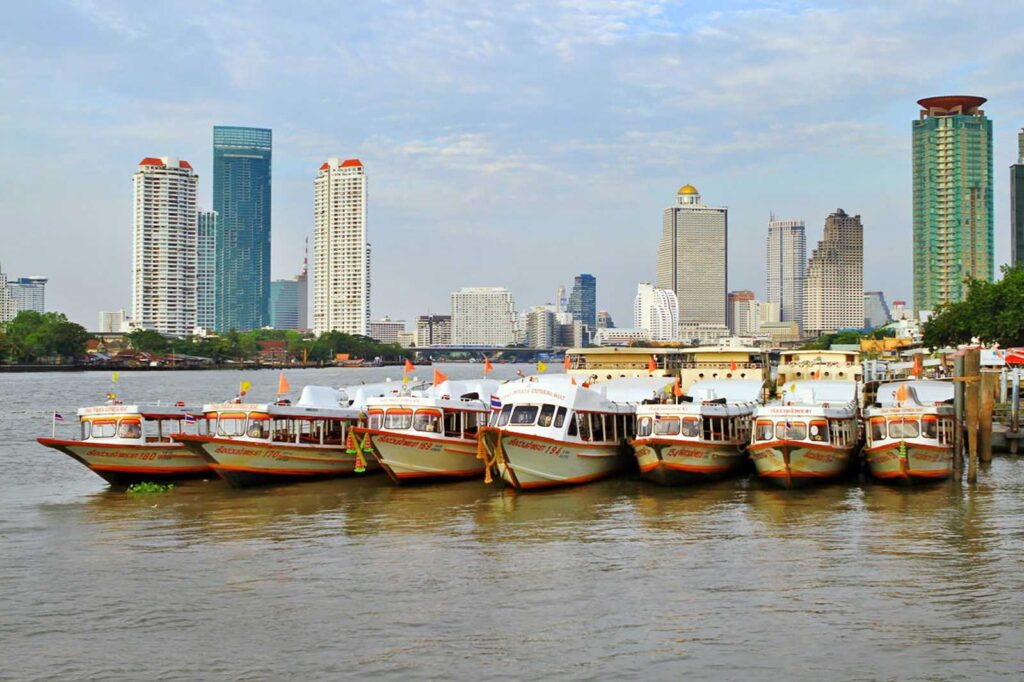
358	578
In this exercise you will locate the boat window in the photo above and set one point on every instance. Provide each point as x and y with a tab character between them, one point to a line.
398	419
904	428
86	430
819	430
506	413
129	428
583	424
309	430
877	429
790	430
453	424
690	427
946	431
258	426
667	426
547	415
283	431
764	429
524	415
560	417
427	420
597	426
643	427
231	425
334	431
375	419
104	428
473	421
930	426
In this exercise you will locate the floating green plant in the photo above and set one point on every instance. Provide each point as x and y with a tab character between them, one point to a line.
145	488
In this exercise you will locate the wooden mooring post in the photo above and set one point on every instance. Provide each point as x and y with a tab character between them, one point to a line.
972	408
1015	412
958	413
989	385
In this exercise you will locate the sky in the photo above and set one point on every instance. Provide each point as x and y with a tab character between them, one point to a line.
512	143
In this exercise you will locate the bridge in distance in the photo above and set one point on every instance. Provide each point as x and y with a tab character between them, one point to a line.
478	353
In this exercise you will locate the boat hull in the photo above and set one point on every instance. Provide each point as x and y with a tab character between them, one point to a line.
125	464
529	462
912	463
794	464
674	462
408	458
245	463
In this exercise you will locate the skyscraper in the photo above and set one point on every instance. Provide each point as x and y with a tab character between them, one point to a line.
583	301
787	263
657	312
7	308
289	302
164	246
483	315
953	228
28	293
341	267
241	199
744	313
692	258
876	310
834	289
1017	204
206	270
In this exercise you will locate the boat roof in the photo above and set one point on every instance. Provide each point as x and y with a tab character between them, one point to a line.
146	411
464	389
922	392
734	391
814	392
473	394
614	395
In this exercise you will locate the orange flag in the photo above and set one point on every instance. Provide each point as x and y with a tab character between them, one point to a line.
409	367
282	384
573	380
901	393
652	364
732	366
439	378
567	362
677	389
918	366
488	367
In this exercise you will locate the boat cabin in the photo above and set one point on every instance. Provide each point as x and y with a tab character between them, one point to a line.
452	409
820	412
135	424
920	411
713	411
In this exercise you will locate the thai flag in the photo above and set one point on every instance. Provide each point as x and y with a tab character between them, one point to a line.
190	419
495	403
58	417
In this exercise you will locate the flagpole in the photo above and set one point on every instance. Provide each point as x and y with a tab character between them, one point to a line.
53	424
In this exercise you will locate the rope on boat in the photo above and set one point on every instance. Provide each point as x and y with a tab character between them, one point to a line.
481	453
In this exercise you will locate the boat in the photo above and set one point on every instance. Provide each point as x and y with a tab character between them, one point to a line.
552	431
431	434
909	431
126	444
701	438
262	443
808	435
689	365
819	365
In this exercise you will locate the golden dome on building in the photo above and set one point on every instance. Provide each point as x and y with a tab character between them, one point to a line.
687	189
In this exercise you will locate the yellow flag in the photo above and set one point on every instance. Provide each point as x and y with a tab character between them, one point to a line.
792	388
244	387
405	378
542	366
115	377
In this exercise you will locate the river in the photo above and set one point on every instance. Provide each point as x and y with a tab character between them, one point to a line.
358	578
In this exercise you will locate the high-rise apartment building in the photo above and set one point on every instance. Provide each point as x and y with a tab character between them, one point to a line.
692	258
656	311
206	270
113	321
341	256
483	316
386	330
834	289
433	330
164	246
744	313
289	302
604	320
787	266
1017	204
241	199
28	293
7	309
583	301
876	310
953	219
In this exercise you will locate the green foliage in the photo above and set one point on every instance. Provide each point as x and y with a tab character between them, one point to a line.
148	341
145	488
32	335
849	336
992	311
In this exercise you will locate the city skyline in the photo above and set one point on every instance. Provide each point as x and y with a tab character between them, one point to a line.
570	159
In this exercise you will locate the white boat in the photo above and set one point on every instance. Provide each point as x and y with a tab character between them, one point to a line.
259	443
551	431
910	431
809	435
430	434
703	437
127	444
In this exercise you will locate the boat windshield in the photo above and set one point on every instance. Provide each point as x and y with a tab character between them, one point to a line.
765	429
524	415
790	431
427	420
231	425
819	431
690	427
130	429
904	428
877	429
506	413
930	426
547	415
374	419
398	419
666	426
103	428
643	427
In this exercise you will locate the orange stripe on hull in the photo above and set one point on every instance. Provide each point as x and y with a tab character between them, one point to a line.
565	481
148	470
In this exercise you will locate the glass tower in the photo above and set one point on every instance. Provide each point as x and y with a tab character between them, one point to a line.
953	230
583	301
241	199
1017	204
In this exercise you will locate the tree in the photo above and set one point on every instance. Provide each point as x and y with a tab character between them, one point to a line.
148	341
32	335
992	312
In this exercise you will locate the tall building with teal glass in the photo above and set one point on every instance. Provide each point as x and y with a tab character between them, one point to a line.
953	206
241	199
